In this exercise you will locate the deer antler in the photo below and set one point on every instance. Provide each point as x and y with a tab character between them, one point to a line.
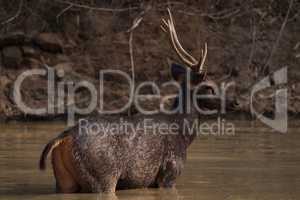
169	27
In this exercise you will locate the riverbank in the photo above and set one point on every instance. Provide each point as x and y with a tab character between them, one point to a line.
246	42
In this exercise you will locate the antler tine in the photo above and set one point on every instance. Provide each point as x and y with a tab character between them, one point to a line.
169	28
190	57
164	26
203	59
176	48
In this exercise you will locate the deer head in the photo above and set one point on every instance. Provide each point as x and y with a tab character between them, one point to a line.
197	66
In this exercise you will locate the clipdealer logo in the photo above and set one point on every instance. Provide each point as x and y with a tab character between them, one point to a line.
280	120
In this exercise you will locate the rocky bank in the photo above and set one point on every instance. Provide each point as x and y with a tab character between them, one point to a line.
248	40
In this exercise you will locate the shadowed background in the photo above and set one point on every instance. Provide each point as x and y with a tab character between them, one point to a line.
247	41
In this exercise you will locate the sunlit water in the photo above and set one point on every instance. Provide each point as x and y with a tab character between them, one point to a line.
255	163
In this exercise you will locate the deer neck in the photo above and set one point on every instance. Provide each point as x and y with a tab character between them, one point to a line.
187	115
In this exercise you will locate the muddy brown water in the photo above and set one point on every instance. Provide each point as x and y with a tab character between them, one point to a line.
255	163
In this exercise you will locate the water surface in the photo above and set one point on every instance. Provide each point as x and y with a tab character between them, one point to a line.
255	163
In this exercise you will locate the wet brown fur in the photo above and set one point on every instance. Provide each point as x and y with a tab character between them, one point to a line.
62	163
52	144
63	167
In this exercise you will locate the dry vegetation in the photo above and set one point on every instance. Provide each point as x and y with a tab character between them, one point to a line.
247	41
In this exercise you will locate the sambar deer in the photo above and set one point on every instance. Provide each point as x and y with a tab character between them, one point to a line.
86	162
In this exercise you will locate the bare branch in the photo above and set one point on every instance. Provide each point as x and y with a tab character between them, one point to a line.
63	11
135	24
253	44
279	35
97	8
16	15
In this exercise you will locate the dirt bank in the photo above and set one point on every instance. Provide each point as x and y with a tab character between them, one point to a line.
247	41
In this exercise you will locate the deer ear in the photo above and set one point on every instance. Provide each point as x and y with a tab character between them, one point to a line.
177	71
